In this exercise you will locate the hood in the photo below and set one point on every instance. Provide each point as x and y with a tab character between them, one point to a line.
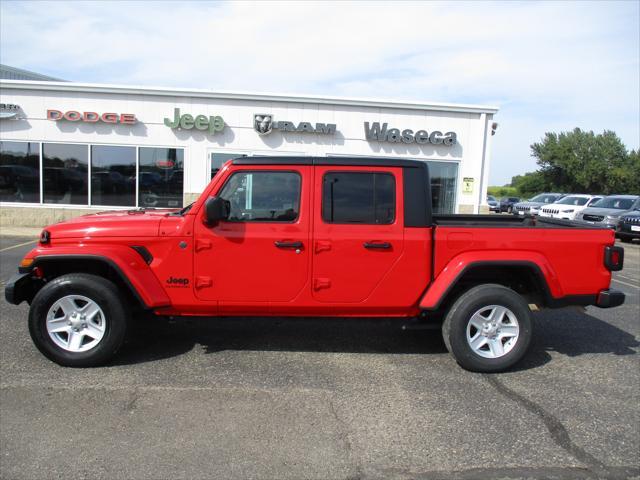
613	212
120	223
563	207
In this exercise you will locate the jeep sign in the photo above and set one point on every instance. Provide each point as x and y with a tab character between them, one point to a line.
394	135
212	124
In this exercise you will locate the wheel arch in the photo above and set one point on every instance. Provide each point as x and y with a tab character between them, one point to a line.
139	285
524	276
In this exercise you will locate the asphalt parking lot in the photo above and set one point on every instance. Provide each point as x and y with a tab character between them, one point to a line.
317	398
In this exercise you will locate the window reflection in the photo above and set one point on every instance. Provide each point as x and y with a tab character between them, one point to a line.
161	177
113	175
20	172
443	177
65	171
263	196
367	198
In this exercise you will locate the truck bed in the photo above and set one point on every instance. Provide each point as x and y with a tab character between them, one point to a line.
506	221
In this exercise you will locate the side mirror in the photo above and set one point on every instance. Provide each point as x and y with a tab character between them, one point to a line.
216	209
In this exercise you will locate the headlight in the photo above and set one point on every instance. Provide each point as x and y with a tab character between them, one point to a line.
612	218
568	211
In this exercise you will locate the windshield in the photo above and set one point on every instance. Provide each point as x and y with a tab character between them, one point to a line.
614	202
491	198
544	198
573	201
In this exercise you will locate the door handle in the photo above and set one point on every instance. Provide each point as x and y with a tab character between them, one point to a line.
281	244
377	245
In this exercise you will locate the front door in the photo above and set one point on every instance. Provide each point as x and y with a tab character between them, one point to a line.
358	231
261	253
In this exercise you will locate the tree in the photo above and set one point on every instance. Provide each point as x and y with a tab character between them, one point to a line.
530	183
581	161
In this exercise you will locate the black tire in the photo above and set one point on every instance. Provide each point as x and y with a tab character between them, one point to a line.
625	239
105	294
454	328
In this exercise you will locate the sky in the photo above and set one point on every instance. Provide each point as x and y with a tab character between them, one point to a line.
548	66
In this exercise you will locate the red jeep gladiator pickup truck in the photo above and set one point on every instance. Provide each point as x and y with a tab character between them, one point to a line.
282	236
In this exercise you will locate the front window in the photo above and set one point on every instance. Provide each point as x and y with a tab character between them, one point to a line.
579	201
263	196
544	198
161	177
20	172
65	172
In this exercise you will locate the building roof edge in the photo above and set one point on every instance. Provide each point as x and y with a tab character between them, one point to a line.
237	95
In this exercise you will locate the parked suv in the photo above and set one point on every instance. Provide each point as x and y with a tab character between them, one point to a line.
629	226
507	203
568	207
607	212
532	207
494	205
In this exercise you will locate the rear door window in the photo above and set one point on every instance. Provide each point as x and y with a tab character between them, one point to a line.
359	197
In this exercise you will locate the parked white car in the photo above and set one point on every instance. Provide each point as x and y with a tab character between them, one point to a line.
568	207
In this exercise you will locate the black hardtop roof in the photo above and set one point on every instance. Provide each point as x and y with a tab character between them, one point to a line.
339	161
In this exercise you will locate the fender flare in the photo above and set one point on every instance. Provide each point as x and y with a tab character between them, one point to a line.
126	262
455	269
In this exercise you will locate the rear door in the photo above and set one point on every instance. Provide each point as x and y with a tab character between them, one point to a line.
261	253
358	230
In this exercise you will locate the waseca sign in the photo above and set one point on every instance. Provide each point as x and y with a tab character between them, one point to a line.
394	135
92	117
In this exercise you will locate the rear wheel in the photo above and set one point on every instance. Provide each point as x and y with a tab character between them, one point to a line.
488	328
78	320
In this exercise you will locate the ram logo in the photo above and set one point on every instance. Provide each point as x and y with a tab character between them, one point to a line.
263	123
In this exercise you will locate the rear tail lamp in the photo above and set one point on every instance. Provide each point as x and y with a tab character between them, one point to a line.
613	258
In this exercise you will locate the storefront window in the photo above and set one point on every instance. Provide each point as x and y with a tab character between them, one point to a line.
161	176
113	176
65	172
443	186
20	172
218	159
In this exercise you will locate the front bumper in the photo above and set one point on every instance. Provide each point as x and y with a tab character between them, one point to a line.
609	298
19	288
625	230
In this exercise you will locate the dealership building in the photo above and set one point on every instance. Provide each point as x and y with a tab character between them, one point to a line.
73	148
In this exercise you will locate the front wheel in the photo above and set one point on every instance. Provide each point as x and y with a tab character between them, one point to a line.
78	320
488	328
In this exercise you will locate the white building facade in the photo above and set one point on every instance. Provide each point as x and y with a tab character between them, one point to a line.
70	148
